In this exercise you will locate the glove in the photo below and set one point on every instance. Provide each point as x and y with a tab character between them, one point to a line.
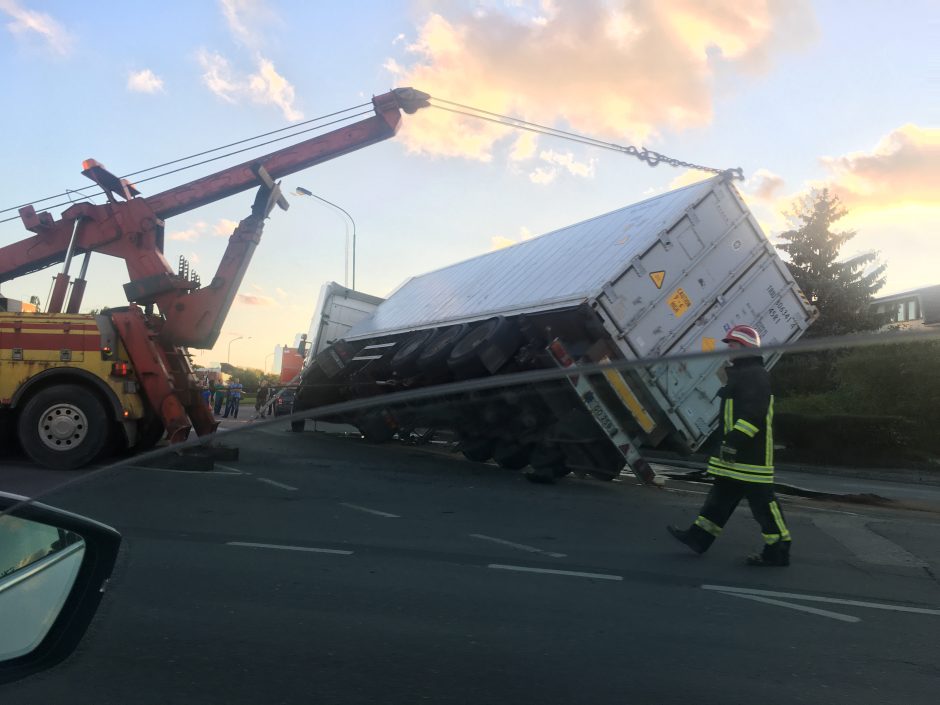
728	454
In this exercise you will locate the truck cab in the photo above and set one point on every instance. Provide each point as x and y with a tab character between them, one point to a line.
68	389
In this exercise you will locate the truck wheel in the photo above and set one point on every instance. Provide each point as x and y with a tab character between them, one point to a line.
439	346
405	360
478	450
548	464
486	348
375	428
511	456
63	427
297	426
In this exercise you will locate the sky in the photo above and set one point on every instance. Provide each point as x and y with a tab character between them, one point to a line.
800	94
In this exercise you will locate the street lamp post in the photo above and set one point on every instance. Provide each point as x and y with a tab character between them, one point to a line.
228	357
301	191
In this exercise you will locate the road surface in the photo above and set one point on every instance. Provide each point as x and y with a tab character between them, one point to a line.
326	570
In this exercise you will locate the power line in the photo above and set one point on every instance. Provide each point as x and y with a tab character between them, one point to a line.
216	158
191	156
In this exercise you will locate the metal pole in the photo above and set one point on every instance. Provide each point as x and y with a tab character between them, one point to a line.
228	357
305	192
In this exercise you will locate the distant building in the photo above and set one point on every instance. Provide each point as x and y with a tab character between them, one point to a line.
911	310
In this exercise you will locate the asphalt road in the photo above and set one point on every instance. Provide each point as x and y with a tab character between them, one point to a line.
325	570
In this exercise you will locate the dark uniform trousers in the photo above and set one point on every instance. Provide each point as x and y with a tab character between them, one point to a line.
720	504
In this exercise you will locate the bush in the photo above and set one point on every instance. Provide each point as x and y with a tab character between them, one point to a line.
846	439
879	403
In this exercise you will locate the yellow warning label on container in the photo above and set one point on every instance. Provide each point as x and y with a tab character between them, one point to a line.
708	344
658	278
679	302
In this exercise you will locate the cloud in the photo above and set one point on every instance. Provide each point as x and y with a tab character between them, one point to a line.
498	242
240	15
224	228
265	87
217	75
687	177
25	22
542	175
280	292
621	70
524	147
902	169
567	161
145	81
189	234
564	160
255	300
764	185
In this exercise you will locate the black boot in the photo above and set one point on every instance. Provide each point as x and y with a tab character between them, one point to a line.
685	536
775	555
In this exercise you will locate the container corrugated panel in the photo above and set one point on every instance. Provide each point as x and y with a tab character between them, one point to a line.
561	268
711	270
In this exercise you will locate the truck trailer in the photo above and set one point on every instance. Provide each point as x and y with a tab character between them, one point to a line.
664	277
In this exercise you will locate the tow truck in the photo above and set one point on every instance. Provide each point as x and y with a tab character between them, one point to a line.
70	383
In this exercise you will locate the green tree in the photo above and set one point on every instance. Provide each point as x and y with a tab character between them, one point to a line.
840	289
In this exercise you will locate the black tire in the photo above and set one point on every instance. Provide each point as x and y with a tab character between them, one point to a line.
478	450
63	427
375	429
405	360
297	425
438	347
486	348
548	464
512	456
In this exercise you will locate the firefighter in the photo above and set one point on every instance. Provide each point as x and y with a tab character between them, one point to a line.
744	466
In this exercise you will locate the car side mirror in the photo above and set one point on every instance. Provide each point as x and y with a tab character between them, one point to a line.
54	566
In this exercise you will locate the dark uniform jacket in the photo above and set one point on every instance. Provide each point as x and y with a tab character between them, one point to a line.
747	412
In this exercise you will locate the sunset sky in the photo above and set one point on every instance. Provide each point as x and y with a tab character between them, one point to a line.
799	94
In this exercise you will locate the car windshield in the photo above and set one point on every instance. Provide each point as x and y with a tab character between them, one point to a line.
494	412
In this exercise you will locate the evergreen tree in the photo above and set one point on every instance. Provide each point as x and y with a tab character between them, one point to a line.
840	289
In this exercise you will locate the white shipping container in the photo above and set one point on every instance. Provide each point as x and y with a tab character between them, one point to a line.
668	275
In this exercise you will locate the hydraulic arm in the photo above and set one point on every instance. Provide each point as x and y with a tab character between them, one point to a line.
131	227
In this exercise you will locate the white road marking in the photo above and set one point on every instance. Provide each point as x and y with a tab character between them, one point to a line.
233	470
370	511
520	546
802	608
854	534
550	571
280	547
275	483
204	473
820	598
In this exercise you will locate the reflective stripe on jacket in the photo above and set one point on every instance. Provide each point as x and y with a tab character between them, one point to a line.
747	413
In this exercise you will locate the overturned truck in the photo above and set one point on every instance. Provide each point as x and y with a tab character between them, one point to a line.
664	277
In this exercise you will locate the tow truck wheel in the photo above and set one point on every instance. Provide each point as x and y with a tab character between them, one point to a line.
63	427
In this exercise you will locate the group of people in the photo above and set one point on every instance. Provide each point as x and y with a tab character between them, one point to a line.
225	399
